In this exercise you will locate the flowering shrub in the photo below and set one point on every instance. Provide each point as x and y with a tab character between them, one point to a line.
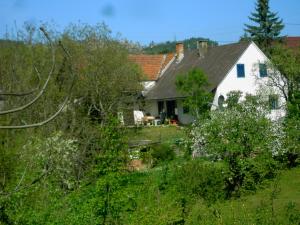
56	156
244	130
245	138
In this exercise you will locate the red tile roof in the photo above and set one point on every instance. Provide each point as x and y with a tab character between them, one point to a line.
152	65
292	42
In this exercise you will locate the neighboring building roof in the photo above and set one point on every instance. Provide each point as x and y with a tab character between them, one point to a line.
216	64
152	65
292	42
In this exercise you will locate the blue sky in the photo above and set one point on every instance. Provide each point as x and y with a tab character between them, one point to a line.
150	20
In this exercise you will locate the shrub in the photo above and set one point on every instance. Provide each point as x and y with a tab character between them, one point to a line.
240	135
292	142
201	179
112	154
256	170
56	156
161	153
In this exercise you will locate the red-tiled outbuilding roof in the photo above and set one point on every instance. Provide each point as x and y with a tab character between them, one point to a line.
152	65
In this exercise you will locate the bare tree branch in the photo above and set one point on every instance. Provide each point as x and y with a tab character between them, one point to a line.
39	123
45	84
53	116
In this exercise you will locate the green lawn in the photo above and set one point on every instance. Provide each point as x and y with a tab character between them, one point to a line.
164	134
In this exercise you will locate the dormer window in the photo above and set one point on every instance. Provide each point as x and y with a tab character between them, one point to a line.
240	70
263	70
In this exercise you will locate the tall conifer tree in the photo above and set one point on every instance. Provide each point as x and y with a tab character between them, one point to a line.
268	26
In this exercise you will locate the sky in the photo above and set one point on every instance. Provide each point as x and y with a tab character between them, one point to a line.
144	21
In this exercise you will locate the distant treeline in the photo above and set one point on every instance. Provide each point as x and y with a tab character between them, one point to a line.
169	46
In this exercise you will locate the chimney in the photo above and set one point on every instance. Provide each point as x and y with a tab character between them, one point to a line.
179	51
202	47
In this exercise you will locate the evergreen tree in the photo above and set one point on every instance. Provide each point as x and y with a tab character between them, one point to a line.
268	28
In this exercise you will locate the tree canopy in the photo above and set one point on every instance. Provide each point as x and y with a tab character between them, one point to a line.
194	85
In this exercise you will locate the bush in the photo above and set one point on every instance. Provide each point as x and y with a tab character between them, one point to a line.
56	156
292	142
244	137
201	179
161	153
256	170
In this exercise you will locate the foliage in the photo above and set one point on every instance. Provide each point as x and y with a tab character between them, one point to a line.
268	26
112	155
243	130
292	142
162	153
194	85
74	149
110	199
198	178
75	170
233	98
238	134
260	208
287	62
57	157
190	193
109	82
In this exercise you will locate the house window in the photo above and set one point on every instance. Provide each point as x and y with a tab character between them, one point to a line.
273	101
240	70
263	70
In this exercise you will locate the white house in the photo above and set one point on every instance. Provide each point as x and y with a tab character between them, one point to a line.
233	67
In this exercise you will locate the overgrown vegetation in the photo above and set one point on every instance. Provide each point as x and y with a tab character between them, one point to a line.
230	167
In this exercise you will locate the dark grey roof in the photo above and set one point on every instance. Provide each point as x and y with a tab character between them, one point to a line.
216	64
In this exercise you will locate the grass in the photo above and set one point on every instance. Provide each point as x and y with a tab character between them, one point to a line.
259	208
164	134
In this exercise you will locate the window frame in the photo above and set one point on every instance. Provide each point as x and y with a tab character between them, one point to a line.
240	70
263	70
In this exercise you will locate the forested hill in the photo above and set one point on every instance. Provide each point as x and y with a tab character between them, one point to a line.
169	46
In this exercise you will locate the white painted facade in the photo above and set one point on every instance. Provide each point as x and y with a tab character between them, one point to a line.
252	83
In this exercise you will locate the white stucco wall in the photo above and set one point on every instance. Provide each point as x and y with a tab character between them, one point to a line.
252	83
